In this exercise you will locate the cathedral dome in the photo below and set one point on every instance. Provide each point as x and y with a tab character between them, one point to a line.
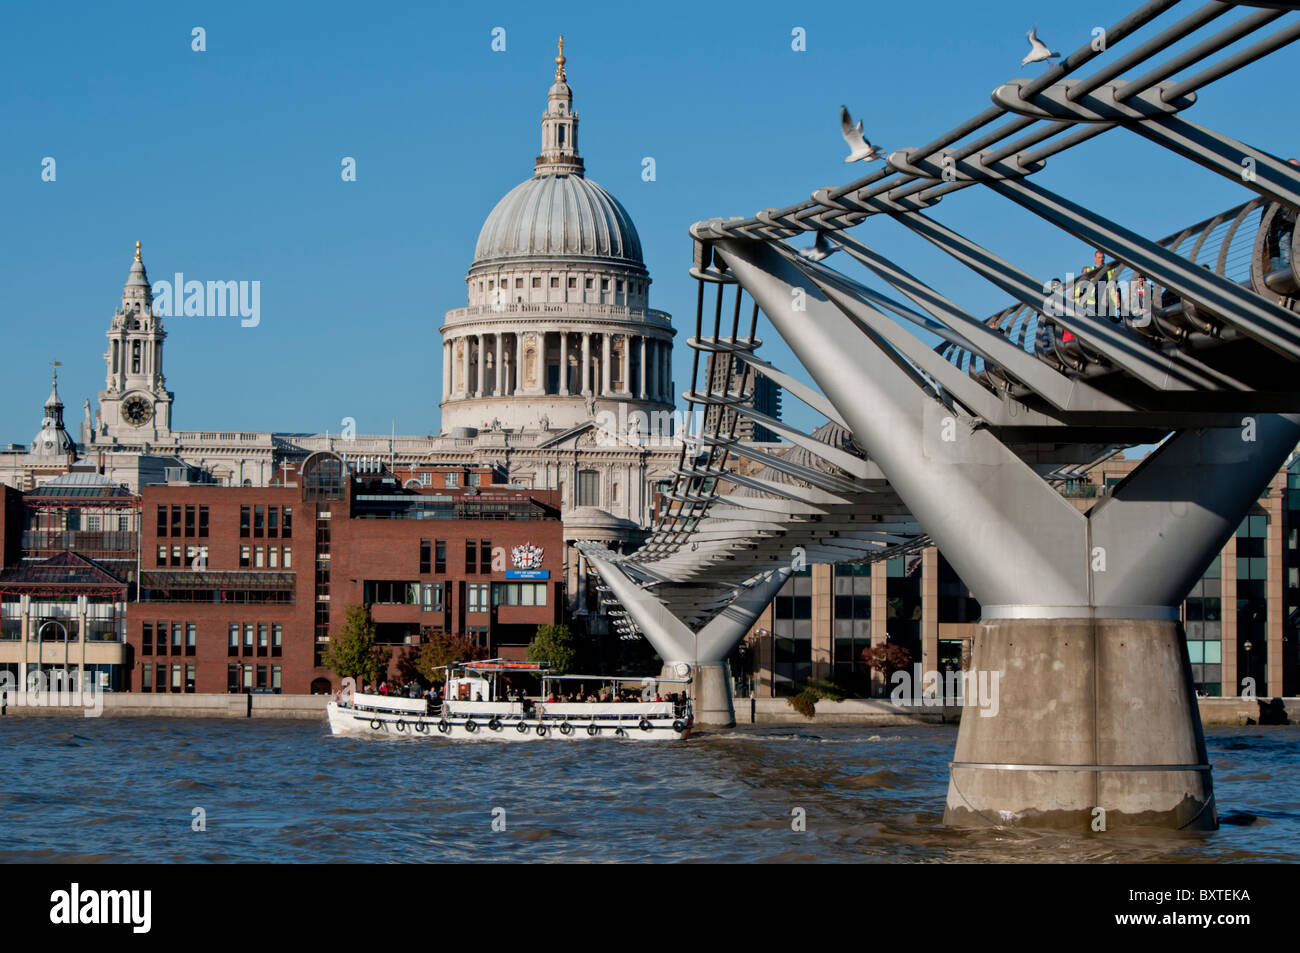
559	216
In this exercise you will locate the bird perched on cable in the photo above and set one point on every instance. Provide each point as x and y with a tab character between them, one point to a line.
859	148
1038	51
821	249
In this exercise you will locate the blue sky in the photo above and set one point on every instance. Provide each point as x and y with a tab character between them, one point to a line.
225	164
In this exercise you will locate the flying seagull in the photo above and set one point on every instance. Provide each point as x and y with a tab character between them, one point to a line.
821	249
859	148
1038	50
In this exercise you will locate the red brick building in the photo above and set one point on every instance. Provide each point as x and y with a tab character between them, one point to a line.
241	587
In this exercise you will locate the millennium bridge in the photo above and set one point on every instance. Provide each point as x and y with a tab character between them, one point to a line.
962	443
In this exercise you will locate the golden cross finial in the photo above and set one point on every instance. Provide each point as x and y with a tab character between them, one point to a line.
137	251
54	371
559	62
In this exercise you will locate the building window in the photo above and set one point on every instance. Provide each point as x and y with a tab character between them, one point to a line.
471	556
162	521
573	282
92	524
232	647
248	638
474	479
277	640
176	557
440	556
178	636
286	522
426	555
176	521
176	677
189	521
191	672
245	521
588	488
273	557
431	597
288	557
146	678
452	480
537	282
191	638
555	282
259	522
160	633
245	556
263	638
162	555
485	556
259	557
275	679
146	639
478	597
203	522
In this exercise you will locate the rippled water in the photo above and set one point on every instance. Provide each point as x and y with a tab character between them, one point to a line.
121	789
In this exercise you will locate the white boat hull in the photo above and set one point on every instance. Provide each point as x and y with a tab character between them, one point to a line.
360	722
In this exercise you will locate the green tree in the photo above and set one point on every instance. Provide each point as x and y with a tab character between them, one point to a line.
555	645
352	650
442	649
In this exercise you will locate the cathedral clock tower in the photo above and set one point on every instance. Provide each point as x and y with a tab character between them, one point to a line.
135	406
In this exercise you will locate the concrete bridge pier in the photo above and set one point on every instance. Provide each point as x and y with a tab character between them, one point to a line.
1092	725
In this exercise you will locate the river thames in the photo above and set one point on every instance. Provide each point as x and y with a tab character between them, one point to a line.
127	790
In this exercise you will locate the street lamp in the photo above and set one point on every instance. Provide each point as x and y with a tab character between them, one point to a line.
1250	662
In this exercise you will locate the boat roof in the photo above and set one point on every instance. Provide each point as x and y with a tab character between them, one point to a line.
504	665
619	678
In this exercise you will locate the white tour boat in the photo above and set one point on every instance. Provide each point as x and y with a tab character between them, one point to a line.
483	702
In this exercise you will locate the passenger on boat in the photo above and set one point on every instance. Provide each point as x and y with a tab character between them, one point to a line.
383	688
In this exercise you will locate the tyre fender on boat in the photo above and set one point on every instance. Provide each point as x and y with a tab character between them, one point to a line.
522	727
566	728
471	726
495	723
621	732
541	731
679	726
401	725
644	724
422	727
443	726
375	724
593	730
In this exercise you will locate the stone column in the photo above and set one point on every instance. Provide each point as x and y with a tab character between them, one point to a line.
446	369
605	389
930	615
586	363
519	362
480	389
644	360
823	638
879	620
464	366
625	363
564	363
500	372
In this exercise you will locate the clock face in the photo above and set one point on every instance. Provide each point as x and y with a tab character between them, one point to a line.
136	411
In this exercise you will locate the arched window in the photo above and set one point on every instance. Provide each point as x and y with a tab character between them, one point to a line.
323	477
